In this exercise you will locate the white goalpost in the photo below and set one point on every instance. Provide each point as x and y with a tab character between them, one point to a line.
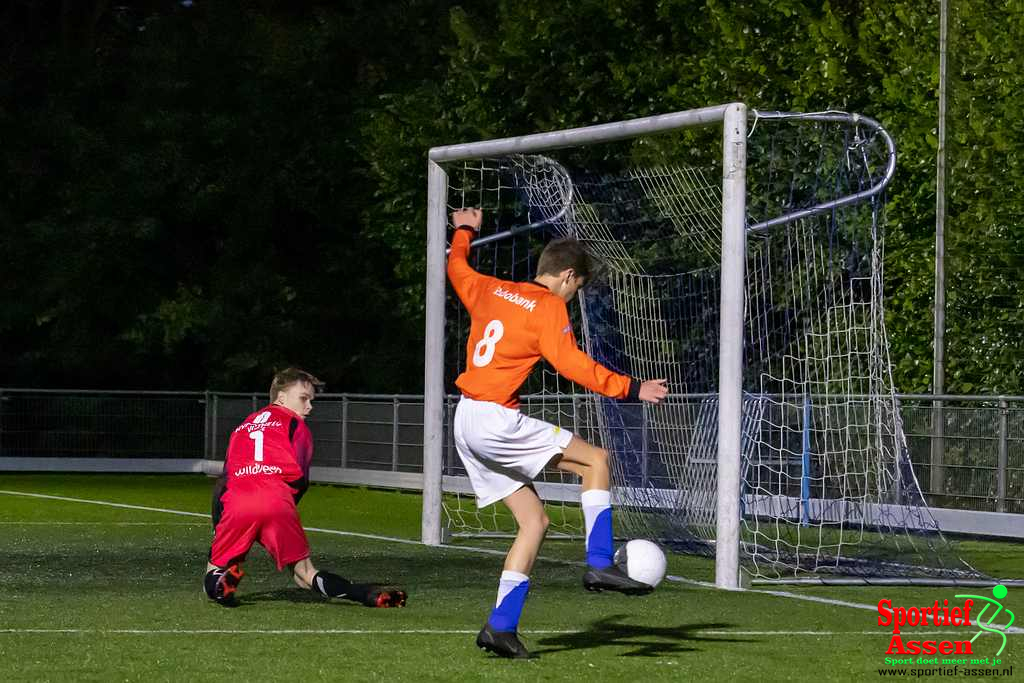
755	288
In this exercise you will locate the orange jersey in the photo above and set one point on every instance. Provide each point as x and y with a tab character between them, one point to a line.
514	324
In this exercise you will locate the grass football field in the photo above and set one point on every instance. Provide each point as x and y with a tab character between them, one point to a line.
95	588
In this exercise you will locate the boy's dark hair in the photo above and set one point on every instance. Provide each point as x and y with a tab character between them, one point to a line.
289	376
565	253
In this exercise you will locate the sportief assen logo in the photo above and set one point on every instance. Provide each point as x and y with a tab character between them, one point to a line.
975	614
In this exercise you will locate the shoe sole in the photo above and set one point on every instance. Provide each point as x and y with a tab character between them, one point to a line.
505	654
597	587
624	591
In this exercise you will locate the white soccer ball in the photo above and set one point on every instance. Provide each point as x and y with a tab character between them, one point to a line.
642	561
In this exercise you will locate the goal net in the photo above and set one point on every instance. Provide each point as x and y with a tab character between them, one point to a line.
824	480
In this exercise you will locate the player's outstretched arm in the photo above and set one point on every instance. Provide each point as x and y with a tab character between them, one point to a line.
653	390
466	281
558	346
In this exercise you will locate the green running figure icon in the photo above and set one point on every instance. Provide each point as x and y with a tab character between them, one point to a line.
999	592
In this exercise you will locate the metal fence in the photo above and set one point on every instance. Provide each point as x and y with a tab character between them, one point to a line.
967	451
981	445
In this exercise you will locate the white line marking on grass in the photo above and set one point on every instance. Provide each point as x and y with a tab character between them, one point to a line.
808	598
798	596
336	532
107	503
813	598
906	633
471	549
392	539
839	603
426	632
692	582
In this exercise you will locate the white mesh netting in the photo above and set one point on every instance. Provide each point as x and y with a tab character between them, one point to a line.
826	482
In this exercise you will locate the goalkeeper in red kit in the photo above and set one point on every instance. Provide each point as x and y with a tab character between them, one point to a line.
266	472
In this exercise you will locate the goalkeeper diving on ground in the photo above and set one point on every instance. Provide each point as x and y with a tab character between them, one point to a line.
266	472
514	325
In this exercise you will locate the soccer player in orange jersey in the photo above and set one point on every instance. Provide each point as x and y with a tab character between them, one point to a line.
514	325
266	472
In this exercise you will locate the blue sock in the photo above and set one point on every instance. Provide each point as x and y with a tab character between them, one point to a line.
597	514
512	592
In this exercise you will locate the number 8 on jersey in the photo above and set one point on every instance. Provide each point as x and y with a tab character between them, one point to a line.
483	352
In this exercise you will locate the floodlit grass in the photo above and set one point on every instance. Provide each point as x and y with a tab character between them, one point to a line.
92	592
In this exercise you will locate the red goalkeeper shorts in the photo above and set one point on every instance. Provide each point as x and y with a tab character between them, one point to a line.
266	515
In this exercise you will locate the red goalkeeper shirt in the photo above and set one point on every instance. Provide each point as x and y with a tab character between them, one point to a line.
273	446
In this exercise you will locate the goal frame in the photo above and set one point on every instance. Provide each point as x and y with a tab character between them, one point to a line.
733	119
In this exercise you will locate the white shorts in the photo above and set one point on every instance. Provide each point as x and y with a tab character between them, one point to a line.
502	449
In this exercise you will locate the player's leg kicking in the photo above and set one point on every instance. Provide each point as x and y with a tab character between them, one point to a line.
591	464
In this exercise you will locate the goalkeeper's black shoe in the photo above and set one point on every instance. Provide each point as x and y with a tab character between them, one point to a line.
385	597
612	578
502	643
222	584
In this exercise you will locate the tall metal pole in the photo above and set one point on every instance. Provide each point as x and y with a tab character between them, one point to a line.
1003	458
730	363
938	474
433	371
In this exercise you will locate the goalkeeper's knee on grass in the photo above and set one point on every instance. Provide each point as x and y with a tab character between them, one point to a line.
220	584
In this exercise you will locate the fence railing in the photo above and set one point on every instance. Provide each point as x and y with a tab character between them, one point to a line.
981	443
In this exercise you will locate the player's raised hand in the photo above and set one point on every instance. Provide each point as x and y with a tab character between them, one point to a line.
653	390
471	218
